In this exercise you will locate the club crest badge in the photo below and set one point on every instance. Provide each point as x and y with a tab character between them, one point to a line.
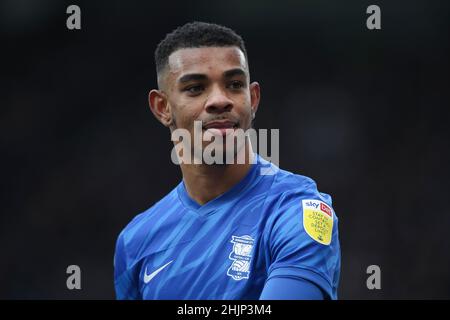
241	257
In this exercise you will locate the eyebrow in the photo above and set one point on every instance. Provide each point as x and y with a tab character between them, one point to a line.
201	77
234	72
192	77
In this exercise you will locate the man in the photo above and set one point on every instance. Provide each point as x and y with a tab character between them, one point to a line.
227	231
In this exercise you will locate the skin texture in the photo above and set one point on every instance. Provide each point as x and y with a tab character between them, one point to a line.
219	90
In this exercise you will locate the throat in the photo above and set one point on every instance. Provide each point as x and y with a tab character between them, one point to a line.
205	183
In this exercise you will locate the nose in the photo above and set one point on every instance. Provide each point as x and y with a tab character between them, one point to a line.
218	101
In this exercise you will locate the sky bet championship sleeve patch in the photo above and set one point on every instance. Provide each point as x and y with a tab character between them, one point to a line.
318	220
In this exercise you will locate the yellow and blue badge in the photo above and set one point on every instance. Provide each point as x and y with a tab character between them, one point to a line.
318	220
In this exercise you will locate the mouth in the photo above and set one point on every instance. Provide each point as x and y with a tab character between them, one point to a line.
221	127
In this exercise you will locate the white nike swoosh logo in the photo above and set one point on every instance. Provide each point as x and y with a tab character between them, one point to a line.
148	277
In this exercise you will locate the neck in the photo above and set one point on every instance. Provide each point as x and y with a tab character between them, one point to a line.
205	182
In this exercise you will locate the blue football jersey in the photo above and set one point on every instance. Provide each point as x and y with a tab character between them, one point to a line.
266	226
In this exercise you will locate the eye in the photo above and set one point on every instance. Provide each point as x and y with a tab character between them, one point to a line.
194	90
236	85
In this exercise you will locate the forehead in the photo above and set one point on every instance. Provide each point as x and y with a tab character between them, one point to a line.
205	60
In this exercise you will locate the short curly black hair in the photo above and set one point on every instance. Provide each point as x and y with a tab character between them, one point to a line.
195	35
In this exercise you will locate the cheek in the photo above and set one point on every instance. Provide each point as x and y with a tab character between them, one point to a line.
186	114
245	111
246	120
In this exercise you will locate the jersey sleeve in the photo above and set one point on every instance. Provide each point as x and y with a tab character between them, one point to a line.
124	279
291	289
303	240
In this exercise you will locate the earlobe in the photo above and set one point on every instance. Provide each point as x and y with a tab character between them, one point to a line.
160	107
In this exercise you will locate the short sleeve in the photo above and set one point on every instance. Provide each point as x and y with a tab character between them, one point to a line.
303	239
278	288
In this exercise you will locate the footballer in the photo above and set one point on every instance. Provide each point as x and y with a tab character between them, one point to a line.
226	231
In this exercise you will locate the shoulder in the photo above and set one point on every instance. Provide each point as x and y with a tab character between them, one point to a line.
288	187
145	223
295	203
152	213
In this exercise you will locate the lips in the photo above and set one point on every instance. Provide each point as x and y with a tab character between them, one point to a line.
220	127
220	124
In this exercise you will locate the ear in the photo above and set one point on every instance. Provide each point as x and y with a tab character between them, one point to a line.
255	96
160	107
